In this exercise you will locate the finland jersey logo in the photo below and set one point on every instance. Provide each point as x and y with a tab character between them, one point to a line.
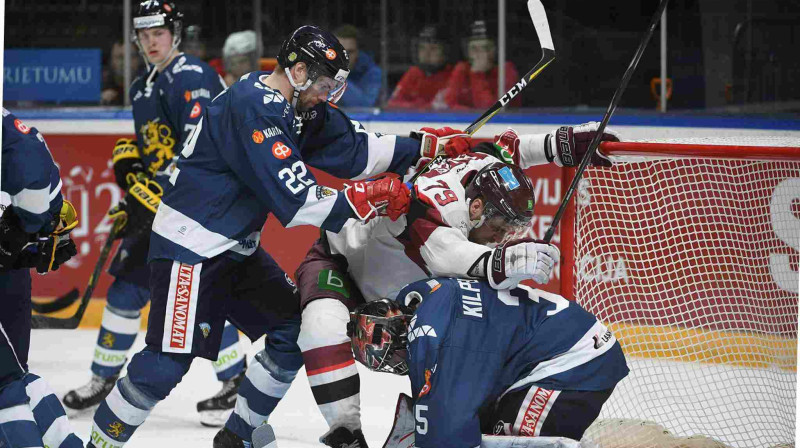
423	330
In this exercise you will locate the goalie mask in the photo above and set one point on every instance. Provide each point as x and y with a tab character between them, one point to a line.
323	54
508	200
378	333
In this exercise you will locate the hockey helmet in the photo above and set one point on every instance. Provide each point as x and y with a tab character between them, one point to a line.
322	53
507	193
378	333
158	13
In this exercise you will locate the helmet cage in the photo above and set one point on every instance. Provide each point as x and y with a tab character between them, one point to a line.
380	342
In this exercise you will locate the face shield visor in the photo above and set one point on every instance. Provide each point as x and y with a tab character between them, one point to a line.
332	87
497	227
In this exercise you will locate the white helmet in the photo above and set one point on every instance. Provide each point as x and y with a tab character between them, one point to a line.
241	42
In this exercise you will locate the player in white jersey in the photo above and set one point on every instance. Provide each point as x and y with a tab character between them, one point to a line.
469	220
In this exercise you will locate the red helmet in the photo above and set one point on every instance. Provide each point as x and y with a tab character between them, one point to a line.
378	333
507	192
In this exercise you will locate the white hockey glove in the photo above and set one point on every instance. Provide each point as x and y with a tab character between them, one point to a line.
567	145
519	260
443	141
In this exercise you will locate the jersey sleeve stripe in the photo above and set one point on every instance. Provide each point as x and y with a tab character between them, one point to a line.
33	201
582	352
55	191
319	203
380	152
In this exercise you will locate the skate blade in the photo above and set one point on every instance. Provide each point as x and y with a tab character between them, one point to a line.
215	419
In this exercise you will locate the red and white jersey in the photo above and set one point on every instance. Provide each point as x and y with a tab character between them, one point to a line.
431	240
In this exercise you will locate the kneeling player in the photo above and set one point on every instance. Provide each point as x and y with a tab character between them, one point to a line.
514	362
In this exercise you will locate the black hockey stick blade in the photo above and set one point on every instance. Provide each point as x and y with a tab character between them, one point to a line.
48	322
610	111
539	18
58	304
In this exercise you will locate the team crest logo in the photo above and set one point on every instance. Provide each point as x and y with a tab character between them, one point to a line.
187	96
21	127
108	340
281	151
115	429
292	56
196	110
427	387
258	137
205	328
325	192
499	427
330	53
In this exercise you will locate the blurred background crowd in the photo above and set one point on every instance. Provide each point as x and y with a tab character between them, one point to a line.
722	55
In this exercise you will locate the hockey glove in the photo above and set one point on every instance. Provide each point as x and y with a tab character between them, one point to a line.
519	260
343	437
126	160
387	196
67	219
443	141
48	254
568	144
139	206
12	238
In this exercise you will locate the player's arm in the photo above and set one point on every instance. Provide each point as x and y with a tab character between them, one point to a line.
342	147
273	169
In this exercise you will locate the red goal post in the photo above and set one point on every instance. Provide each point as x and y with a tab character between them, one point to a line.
689	250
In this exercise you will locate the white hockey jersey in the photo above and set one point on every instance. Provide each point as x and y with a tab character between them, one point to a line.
431	240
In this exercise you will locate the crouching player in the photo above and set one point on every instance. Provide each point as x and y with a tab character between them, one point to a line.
514	362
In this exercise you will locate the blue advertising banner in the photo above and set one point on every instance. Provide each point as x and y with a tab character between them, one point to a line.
69	75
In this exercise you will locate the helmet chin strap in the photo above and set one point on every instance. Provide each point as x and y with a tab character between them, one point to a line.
176	40
297	88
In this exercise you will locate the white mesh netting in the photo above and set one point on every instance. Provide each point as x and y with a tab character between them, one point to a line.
694	265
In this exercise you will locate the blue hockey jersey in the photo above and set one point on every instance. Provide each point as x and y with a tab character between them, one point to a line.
247	158
469	344
30	178
167	106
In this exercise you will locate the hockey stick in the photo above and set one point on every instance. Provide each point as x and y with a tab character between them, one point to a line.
539	18
48	322
58	304
599	134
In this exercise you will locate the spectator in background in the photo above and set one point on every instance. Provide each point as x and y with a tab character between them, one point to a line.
114	88
364	82
423	85
473	84
193	42
240	55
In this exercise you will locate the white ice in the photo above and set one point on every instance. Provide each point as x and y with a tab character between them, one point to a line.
63	357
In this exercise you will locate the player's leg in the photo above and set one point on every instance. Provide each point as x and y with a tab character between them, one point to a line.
186	319
230	367
28	409
535	411
118	329
327	296
265	299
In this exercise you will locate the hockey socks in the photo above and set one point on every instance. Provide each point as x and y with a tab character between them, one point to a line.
117	333
264	384
230	361
31	415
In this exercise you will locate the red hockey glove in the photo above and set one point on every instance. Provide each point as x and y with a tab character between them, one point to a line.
507	145
443	141
387	196
568	144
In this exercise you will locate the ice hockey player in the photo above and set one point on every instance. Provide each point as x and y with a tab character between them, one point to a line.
243	161
34	233
167	104
517	362
467	221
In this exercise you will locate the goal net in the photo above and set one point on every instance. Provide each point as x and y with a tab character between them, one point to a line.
688	250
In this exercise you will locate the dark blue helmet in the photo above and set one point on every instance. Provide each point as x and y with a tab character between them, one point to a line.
319	49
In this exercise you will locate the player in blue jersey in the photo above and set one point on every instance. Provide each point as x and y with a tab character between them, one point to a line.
34	233
516	362
243	161
167	104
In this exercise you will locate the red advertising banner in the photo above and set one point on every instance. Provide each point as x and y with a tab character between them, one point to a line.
88	181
